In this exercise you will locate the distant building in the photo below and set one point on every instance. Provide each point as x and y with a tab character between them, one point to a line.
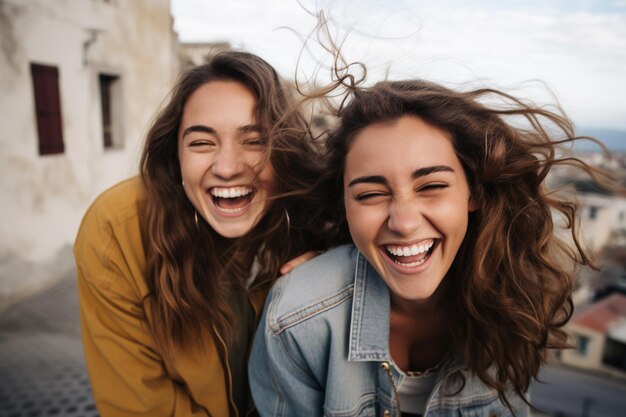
602	211
599	336
80	82
603	220
193	54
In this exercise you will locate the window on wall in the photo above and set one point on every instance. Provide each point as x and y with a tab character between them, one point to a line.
615	353
110	100
47	108
582	344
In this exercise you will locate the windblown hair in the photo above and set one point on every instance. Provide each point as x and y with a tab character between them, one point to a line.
191	269
511	282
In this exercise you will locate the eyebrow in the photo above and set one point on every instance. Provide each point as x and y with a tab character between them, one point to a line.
422	172
211	131
376	179
198	128
250	128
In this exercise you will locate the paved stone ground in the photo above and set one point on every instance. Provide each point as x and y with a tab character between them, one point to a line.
42	367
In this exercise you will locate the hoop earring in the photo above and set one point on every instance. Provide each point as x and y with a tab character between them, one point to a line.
288	221
195	217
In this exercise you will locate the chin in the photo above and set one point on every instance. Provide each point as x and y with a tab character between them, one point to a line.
234	234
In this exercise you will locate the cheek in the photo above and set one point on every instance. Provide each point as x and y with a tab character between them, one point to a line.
453	216
363	222
268	180
193	166
184	170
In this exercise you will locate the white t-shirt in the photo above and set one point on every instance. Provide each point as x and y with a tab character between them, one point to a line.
415	390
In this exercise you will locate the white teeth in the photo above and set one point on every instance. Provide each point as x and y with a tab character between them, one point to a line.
231	210
410	264
230	192
409	250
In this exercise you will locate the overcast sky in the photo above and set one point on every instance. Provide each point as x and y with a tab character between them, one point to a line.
577	47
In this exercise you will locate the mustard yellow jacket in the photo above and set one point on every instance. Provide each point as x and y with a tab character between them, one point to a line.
128	375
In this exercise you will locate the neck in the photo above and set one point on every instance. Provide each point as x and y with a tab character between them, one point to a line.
431	306
419	333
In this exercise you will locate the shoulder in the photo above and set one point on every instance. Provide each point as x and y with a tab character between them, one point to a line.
109	237
316	286
118	202
116	205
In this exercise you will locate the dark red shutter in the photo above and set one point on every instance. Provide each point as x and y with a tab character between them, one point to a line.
47	108
106	82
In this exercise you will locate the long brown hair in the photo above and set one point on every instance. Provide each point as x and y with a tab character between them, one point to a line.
509	288
190	268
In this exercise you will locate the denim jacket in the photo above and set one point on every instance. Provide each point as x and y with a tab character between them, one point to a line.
322	349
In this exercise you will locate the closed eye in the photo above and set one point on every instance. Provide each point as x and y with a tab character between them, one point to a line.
255	141
433	187
369	196
196	143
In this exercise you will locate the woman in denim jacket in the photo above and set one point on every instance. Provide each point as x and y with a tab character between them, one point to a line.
457	284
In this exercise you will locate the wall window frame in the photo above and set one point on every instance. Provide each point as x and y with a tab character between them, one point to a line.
111	115
582	344
48	115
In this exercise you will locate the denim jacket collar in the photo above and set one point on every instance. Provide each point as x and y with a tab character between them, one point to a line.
369	330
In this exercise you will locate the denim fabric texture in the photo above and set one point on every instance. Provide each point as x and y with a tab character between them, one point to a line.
322	349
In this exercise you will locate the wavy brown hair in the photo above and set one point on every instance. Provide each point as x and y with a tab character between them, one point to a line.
509	288
191	269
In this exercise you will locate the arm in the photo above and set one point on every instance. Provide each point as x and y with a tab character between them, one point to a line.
280	380
127	374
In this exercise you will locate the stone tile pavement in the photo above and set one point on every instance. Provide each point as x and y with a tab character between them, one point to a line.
42	367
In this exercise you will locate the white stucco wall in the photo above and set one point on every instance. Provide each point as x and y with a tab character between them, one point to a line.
609	224
592	358
42	198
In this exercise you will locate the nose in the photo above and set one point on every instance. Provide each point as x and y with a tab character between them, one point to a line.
404	218
228	162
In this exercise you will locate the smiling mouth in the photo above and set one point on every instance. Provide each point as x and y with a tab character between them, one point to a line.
231	200
411	255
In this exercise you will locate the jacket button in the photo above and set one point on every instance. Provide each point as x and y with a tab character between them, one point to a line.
387	413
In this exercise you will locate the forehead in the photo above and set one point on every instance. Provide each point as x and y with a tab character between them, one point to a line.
215	99
407	141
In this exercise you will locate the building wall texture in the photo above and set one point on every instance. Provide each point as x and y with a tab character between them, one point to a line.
591	358
42	198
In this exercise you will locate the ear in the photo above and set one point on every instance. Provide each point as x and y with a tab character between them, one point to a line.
471	205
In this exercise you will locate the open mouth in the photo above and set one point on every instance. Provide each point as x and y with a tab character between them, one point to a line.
411	255
231	200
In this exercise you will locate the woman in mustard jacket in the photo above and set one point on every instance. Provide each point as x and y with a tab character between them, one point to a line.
173	266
